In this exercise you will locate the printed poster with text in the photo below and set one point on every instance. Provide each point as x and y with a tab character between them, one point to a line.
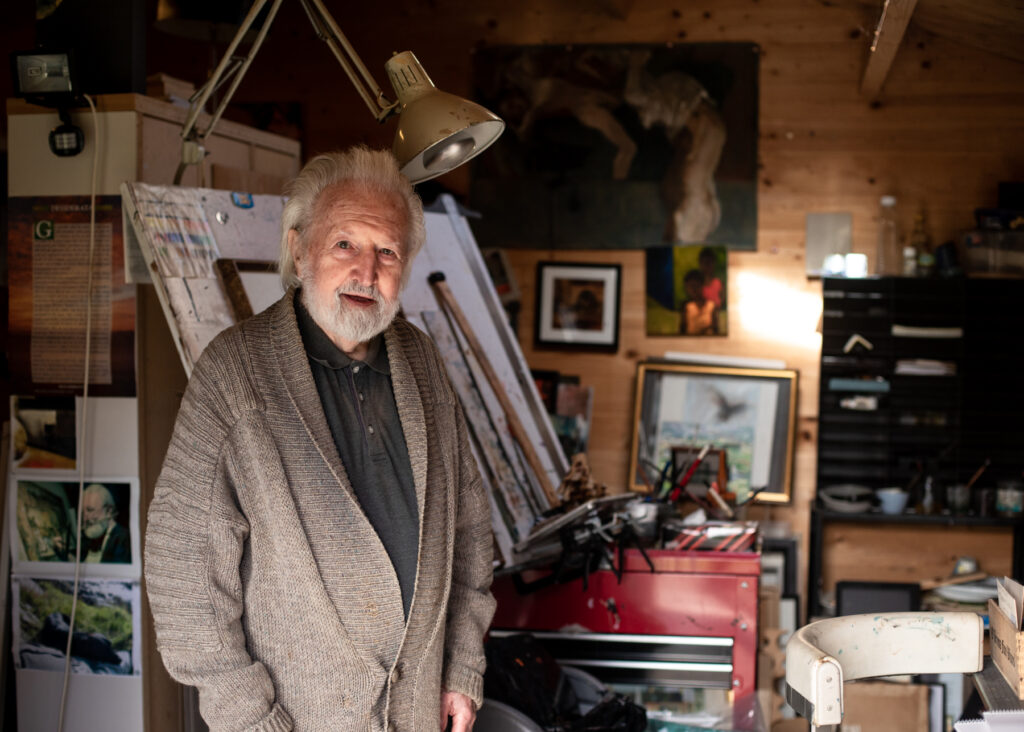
48	261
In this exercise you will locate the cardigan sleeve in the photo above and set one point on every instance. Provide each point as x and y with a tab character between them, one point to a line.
471	604
195	540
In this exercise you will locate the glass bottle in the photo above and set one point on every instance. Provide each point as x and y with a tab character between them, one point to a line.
888	256
920	241
909	261
927	506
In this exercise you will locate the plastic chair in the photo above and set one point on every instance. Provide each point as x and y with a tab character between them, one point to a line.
822	655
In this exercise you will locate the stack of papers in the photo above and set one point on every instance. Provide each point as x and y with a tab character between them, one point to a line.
994	721
1011	600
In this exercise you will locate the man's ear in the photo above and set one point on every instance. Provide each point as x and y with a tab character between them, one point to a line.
295	247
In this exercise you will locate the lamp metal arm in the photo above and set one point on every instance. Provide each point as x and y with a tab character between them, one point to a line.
271	14
228	65
326	29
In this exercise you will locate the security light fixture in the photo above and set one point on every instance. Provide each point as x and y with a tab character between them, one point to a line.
66	139
47	78
436	131
41	75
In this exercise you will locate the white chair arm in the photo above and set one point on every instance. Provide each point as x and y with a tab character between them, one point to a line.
822	655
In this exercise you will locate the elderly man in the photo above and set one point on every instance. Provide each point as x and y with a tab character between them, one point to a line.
318	555
103	539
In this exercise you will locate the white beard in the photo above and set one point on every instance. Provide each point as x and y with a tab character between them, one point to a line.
343	323
95	529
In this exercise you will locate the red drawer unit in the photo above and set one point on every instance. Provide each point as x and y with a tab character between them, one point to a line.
691	622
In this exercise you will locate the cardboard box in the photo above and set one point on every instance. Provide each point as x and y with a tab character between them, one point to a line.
882	706
1007	647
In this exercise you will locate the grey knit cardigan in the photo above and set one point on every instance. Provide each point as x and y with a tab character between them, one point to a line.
270	590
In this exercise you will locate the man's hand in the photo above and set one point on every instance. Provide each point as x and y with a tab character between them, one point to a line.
461	709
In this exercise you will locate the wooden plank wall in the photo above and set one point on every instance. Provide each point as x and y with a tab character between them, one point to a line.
946	129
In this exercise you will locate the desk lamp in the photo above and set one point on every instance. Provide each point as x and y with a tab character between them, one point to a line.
436	131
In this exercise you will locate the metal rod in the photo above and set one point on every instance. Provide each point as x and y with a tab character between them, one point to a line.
214	81
448	301
319	23
327	30
245	67
369	84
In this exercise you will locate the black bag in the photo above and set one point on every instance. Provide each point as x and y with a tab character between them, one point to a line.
615	712
522	674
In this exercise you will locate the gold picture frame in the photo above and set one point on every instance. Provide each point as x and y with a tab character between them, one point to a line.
750	413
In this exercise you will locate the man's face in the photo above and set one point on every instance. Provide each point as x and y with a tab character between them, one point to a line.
351	266
95	516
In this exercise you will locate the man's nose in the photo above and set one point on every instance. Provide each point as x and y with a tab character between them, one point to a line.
364	270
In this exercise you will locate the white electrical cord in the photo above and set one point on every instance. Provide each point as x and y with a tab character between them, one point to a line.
85	409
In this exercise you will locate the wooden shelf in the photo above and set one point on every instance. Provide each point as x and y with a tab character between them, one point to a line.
912	518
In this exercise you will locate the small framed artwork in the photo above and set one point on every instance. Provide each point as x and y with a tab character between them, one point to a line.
687	291
501	274
578	305
749	413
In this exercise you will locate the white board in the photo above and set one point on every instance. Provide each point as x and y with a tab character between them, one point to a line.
109	703
451	249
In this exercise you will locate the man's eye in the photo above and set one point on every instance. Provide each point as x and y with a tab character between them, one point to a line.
388	252
344	244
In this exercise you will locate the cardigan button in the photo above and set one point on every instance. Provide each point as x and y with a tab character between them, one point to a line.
396	673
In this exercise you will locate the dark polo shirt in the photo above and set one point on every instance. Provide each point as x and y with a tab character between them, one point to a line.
359	404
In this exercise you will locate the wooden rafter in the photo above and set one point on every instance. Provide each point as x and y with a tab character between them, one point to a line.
892	24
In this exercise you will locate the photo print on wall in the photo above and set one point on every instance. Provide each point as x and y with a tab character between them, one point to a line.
105	639
43	433
44	515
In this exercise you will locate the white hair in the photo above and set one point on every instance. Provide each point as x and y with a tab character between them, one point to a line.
374	170
104	493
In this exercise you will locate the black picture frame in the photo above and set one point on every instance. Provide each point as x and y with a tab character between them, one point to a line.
578	306
787	548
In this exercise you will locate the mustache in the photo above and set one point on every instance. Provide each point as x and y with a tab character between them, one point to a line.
354	288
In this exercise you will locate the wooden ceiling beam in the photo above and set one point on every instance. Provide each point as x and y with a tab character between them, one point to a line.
892	25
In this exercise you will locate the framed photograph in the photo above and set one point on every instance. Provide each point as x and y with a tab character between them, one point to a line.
578	305
749	413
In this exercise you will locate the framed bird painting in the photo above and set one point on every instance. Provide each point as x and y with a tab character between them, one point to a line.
749	413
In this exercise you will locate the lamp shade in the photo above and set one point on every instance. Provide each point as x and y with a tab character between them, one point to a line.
437	131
